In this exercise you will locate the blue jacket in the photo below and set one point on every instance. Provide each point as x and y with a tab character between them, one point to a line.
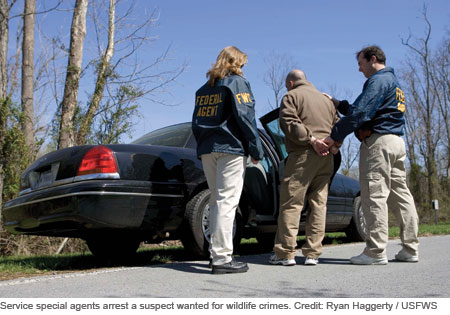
380	107
224	119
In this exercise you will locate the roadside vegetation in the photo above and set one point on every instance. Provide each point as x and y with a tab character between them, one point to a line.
12	267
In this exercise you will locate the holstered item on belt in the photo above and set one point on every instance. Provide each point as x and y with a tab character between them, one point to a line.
363	134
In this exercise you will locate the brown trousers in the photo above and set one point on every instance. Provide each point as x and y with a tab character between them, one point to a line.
306	177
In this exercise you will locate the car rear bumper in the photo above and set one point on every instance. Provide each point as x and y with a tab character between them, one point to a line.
77	208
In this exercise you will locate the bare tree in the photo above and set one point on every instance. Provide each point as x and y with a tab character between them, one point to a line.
278	67
150	79
350	146
412	133
103	72
350	154
70	99
440	78
28	71
423	103
13	66
5	9
121	76
24	41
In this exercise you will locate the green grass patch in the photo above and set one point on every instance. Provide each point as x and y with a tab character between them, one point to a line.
425	229
19	266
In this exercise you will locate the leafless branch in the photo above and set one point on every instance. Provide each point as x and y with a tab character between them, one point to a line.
38	12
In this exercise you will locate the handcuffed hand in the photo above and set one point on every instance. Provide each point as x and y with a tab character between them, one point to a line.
328	95
319	146
333	145
335	101
334	149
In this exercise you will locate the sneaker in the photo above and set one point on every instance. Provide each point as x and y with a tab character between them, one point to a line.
311	261
274	260
403	255
230	267
363	259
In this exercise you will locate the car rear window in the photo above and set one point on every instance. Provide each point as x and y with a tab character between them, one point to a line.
172	136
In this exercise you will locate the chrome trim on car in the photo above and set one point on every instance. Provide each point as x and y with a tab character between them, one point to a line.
24	192
101	193
11	223
97	176
63	181
73	180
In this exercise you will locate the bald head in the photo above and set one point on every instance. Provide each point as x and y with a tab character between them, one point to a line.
296	75
293	77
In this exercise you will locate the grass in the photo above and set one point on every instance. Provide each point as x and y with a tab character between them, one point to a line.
23	266
425	230
12	267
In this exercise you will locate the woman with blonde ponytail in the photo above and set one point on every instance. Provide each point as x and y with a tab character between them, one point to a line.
230	61
224	126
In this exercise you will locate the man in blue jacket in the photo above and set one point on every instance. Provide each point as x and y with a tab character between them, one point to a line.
377	118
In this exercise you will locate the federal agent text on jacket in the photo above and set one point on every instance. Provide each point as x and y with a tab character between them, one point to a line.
224	119
379	108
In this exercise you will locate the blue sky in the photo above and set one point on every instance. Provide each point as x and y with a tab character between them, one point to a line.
321	36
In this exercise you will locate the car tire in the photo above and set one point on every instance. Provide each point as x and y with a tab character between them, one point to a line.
112	246
196	233
357	229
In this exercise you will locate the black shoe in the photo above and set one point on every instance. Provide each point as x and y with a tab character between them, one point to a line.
231	267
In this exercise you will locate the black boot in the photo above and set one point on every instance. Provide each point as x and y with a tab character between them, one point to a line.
231	267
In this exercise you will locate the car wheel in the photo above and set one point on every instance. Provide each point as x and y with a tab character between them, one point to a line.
112	246
357	229
266	241
197	234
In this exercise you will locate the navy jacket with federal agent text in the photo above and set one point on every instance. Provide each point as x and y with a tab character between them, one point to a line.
379	108
224	119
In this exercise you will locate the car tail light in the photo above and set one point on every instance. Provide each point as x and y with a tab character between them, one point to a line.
99	159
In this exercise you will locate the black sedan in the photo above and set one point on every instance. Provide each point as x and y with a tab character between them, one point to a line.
116	196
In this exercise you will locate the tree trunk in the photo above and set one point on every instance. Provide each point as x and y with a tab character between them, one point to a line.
103	73
4	35
28	71
2	157
70	99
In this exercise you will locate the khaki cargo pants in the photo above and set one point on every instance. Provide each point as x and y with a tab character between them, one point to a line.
306	177
382	178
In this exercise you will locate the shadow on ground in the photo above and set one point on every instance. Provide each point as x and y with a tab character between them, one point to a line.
38	265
